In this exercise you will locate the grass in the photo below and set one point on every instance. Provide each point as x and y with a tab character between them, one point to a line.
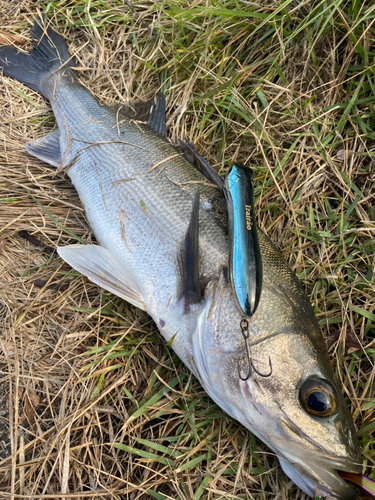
105	409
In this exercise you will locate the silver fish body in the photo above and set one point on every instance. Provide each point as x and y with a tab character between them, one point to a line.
139	194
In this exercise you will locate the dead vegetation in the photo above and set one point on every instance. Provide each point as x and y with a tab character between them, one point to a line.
92	403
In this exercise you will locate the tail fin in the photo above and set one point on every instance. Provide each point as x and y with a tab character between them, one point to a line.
49	52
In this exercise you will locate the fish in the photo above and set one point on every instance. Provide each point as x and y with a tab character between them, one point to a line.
162	236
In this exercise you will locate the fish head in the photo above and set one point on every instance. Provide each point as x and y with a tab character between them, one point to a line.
278	382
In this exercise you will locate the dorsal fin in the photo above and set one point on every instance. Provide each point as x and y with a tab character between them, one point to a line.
157	115
151	111
189	258
187	149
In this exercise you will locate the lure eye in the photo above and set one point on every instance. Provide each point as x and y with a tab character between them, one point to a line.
317	397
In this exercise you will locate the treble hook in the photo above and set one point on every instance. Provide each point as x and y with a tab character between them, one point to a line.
245	333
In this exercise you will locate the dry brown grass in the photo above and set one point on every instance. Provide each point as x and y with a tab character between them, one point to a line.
65	409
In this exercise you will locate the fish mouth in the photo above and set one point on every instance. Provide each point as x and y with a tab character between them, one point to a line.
320	476
318	473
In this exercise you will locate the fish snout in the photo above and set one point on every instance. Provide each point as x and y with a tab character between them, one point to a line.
315	464
321	478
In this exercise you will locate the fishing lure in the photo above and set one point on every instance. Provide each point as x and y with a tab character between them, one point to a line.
245	262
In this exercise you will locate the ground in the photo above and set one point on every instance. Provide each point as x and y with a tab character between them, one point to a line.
93	403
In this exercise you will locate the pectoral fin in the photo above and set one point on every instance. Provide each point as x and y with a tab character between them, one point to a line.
47	148
101	267
189	258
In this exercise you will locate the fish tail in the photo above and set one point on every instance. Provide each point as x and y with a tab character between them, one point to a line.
48	54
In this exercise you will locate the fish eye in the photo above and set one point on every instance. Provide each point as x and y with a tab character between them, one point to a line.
317	396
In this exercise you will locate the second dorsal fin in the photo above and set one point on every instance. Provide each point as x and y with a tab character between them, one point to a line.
151	112
156	119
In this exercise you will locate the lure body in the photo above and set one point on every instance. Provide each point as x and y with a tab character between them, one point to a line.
245	262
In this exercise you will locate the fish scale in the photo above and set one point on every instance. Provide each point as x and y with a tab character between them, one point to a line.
90	142
155	255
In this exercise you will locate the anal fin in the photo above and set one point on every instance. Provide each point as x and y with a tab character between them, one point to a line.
101	267
47	148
